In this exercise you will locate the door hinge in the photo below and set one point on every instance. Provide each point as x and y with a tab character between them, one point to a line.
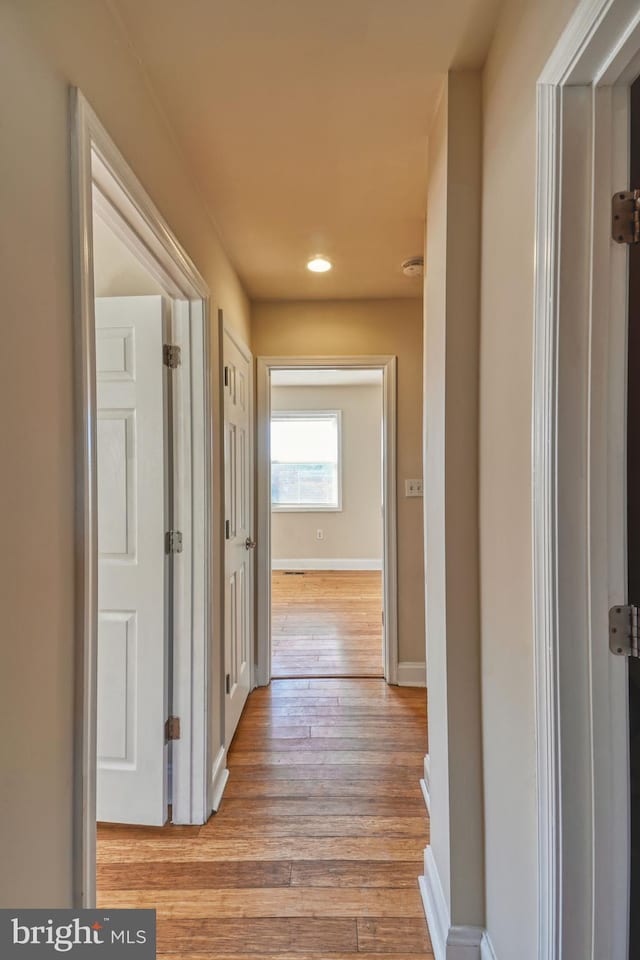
172	729
171	355
228	683
625	216
226	376
173	541
623	631
227	529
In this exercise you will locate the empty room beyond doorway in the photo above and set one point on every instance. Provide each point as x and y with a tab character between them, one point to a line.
327	523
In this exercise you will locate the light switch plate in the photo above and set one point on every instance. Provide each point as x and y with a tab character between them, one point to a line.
413	488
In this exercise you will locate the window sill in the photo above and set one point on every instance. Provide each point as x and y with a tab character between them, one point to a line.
306	508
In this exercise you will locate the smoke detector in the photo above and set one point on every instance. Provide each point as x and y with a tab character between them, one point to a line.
413	267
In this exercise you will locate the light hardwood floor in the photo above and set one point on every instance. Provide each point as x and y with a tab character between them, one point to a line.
327	624
318	844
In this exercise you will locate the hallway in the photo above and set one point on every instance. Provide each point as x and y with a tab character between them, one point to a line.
317	846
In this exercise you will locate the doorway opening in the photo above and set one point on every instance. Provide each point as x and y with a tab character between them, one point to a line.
326	523
144	513
327	591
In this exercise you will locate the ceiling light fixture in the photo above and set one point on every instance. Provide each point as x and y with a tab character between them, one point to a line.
319	265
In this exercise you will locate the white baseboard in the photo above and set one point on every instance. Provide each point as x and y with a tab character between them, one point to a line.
486	948
412	674
464	943
219	777
435	906
426	795
425	784
449	943
327	564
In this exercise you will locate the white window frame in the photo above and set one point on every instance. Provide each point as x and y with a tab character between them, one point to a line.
312	415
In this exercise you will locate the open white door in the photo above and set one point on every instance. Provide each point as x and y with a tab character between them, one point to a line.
132	621
238	474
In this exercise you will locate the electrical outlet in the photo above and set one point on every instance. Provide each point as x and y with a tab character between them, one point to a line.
319	534
413	488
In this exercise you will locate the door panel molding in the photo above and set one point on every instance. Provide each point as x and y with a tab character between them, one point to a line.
388	367
132	440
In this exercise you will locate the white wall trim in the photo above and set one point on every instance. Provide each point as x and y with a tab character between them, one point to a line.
425	784
426	795
219	778
387	365
464	943
578	480
96	160
412	674
435	905
486	948
327	563
448	942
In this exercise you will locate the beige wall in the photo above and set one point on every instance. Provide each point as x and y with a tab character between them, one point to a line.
451	506
353	327
355	532
44	47
526	34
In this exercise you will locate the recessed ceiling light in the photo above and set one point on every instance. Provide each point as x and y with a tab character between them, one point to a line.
319	265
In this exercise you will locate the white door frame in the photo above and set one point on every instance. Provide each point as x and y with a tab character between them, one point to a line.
579	485
387	366
121	199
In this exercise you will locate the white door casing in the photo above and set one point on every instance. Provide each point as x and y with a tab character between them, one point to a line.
99	172
387	366
579	485
132	621
238	472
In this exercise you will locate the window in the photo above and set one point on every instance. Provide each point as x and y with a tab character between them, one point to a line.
305	460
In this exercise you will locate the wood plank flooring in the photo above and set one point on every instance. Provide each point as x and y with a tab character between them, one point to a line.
327	624
318	844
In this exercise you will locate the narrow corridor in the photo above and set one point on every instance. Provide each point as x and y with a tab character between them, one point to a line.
317	846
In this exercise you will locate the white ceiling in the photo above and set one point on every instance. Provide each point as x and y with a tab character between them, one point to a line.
304	123
325	378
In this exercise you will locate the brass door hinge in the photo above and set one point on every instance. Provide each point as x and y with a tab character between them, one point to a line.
173	541
625	216
172	729
624	632
171	355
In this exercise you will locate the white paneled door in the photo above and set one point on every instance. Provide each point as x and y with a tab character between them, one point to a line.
238	472
132	620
